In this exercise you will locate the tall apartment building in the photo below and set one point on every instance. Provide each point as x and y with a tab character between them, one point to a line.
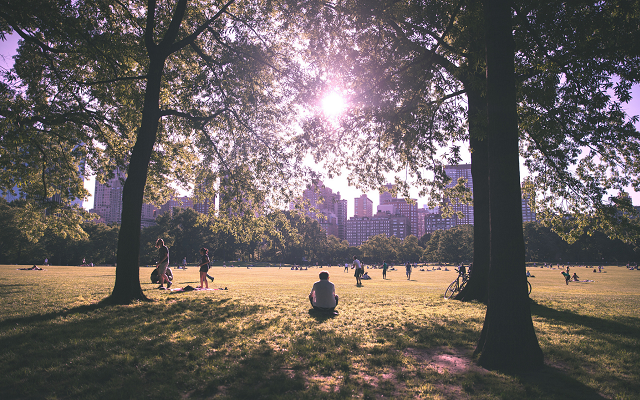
175	202
461	171
385	194
360	229
528	215
333	209
362	206
108	202
402	207
435	221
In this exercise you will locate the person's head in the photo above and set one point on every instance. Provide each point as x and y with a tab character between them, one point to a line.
204	250
324	275
159	242
355	257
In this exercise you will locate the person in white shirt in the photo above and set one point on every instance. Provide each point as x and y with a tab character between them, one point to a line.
359	270
323	295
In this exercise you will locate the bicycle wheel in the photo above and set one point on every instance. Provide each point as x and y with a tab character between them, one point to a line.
529	285
451	290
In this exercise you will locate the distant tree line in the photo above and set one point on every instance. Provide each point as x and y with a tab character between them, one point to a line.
295	239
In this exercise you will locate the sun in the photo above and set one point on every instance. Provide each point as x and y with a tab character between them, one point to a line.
333	104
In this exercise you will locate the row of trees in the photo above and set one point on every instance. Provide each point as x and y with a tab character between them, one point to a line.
186	231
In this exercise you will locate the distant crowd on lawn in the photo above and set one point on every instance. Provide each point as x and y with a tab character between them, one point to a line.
323	296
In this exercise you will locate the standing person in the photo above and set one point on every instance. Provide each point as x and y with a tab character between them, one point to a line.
408	268
204	267
184	263
46	261
323	295
385	267
359	270
567	277
346	267
163	255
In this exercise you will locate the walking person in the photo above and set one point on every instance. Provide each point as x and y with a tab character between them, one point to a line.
359	270
408	268
163	255
385	267
204	267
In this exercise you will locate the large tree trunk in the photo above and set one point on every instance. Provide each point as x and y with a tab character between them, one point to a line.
476	288
127	286
508	340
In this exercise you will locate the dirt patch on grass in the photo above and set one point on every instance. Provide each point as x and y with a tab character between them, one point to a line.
453	361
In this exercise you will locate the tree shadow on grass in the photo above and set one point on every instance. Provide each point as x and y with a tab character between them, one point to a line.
623	326
38	318
445	348
599	336
552	383
149	350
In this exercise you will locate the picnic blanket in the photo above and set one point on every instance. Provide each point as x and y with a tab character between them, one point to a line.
190	288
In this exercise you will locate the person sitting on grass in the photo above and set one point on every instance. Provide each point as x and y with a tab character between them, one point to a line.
567	277
323	295
575	277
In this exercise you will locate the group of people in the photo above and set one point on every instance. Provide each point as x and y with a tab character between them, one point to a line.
568	277
163	264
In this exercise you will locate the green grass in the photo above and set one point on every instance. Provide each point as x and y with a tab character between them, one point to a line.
257	340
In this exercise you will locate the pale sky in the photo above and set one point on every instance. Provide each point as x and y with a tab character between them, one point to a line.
339	184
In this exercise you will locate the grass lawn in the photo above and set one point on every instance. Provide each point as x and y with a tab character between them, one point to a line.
392	338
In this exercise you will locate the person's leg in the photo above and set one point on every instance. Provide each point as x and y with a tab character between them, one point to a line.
162	275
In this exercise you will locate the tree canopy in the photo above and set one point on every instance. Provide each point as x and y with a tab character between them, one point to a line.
173	91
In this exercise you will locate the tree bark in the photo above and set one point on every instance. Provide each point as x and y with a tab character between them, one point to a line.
508	340
476	288
127	286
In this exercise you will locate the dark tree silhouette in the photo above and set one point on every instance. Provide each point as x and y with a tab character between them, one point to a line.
508	340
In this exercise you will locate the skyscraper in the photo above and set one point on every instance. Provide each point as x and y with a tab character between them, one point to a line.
108	202
455	172
362	206
333	209
385	194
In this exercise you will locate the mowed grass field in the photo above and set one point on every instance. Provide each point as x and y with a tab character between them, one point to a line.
392	338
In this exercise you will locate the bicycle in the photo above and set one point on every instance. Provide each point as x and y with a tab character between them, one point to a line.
457	285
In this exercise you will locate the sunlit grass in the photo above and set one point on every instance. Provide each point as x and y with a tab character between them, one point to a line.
392	338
